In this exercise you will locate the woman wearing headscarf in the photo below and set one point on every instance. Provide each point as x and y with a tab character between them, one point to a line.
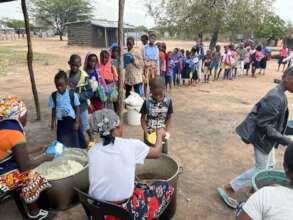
15	164
112	169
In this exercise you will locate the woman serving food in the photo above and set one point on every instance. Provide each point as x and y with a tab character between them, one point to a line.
15	164
112	169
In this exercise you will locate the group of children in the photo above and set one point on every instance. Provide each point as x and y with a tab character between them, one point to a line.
81	91
187	67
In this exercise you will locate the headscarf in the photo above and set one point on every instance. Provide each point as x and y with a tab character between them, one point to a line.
11	107
87	60
98	76
107	70
104	121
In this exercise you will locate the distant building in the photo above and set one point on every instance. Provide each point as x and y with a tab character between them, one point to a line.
94	33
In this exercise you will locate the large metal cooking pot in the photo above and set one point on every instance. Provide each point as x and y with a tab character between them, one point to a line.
164	168
61	195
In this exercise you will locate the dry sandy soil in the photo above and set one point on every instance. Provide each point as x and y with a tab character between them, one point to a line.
203	137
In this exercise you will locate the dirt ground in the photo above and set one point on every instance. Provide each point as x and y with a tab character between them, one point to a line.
203	138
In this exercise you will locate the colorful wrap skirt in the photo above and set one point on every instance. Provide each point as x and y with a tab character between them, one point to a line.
30	184
148	201
150	70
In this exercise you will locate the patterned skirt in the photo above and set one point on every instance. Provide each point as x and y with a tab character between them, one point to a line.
30	184
148	201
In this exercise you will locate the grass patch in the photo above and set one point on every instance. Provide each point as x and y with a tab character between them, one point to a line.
11	56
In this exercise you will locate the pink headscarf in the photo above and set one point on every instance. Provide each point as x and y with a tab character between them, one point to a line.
86	60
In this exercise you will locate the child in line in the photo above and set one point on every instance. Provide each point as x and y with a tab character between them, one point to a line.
247	60
78	82
97	82
241	58
156	110
258	58
181	62
222	63
115	52
195	66
228	64
109	74
207	66
170	72
234	61
284	52
65	107
216	59
253	62
177	72
266	56
187	71
163	61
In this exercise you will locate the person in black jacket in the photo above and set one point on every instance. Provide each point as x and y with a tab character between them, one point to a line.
264	128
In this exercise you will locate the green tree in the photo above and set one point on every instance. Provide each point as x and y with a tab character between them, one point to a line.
57	13
273	27
211	16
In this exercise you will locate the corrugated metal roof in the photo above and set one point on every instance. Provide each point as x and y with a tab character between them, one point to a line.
104	23
4	27
2	1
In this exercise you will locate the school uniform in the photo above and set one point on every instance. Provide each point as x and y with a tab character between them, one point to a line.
187	64
170	72
80	85
65	115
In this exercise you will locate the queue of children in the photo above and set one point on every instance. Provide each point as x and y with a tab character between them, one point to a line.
84	90
93	87
187	67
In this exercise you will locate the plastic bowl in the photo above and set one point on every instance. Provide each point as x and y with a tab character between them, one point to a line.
269	178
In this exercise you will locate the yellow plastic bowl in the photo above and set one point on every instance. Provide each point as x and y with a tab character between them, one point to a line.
152	138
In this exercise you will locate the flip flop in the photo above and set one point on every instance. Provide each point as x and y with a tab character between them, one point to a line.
232	203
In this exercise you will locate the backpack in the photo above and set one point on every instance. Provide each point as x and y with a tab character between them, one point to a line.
71	96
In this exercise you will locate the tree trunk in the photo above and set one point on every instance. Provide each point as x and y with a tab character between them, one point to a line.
200	36
61	36
214	39
120	58
30	59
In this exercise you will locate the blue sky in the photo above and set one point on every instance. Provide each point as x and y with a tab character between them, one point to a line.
135	11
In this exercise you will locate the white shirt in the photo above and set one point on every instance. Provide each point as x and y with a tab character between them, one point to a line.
270	203
112	168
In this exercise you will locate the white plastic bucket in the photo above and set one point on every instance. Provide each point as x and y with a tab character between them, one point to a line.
133	117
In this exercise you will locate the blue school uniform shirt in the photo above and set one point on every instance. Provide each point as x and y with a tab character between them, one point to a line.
266	51
171	67
187	65
63	105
